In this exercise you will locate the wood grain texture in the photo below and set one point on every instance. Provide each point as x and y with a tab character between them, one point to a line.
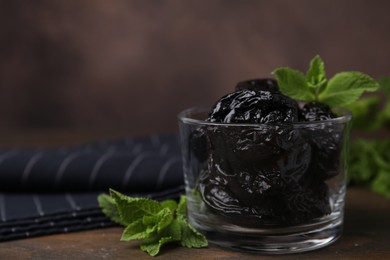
366	236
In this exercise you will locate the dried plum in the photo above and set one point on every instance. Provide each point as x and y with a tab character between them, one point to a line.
316	111
307	202
256	168
270	173
255	107
326	143
325	140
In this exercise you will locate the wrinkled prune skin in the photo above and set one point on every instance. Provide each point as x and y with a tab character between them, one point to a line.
256	167
307	202
326	151
255	107
315	111
326	140
271	174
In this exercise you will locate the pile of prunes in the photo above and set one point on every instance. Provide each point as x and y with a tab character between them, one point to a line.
262	167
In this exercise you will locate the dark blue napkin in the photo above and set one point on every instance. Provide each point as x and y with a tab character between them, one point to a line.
47	191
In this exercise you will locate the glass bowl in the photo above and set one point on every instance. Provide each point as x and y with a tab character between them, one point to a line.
267	188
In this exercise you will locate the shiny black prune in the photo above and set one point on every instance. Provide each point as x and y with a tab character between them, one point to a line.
315	111
222	199
274	173
217	196
326	143
264	182
307	202
255	167
259	84
255	107
325	140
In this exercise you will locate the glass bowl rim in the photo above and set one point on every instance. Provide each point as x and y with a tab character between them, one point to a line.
184	116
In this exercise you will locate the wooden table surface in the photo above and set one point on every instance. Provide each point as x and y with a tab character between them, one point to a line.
366	236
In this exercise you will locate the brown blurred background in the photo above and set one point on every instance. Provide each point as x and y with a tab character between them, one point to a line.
132	65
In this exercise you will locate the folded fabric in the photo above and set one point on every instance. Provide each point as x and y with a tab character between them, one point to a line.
47	191
136	165
24	215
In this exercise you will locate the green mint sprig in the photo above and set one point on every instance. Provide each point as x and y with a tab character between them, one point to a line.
156	223
369	159
342	89
374	109
369	165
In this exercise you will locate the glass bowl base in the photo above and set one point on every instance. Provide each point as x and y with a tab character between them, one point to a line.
281	243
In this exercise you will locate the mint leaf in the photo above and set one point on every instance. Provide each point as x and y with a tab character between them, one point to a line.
132	209
152	244
369	165
365	110
109	208
190	236
384	83
383	119
182	207
372	109
159	221
154	222
346	87
148	226
362	165
381	184
343	89
316	75
135	231
171	204
293	83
